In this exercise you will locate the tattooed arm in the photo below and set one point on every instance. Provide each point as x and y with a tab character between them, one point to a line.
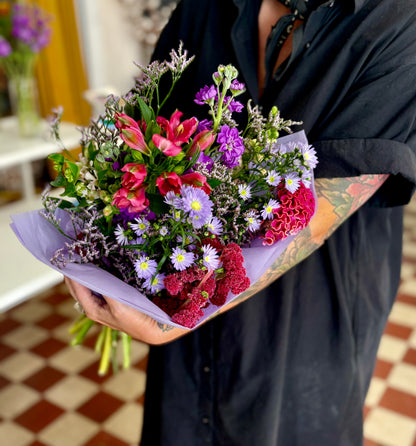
338	198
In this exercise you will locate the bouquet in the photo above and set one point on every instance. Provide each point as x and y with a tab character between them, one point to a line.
178	209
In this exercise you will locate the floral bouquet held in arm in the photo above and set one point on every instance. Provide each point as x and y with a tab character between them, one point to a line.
180	210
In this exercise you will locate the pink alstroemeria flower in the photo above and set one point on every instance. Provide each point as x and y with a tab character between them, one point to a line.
134	176
130	133
202	141
198	180
177	133
134	200
169	181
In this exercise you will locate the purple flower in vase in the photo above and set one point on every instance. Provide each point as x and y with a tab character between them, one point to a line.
5	48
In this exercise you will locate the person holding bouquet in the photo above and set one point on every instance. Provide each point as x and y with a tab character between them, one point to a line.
290	363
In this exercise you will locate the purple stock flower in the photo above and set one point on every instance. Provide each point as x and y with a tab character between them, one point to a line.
237	86
205	124
205	94
231	144
235	106
5	48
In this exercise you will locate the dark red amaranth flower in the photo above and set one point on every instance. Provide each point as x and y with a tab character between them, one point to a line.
234	278
295	212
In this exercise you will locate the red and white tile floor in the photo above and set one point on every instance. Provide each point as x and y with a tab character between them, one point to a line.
51	395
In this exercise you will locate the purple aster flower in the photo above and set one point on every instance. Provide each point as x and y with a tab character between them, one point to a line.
140	226
292	182
205	95
267	212
309	155
155	283
5	48
196	203
182	259
231	144
145	267
205	124
214	226
210	257
253	221
173	200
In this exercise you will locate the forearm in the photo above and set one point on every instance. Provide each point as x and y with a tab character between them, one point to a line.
338	198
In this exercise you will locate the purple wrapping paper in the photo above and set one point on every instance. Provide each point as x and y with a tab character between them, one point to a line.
42	239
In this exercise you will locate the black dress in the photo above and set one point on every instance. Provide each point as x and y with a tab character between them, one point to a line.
291	366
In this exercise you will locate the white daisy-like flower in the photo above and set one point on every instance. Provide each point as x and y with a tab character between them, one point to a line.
244	190
273	178
253	221
267	212
121	235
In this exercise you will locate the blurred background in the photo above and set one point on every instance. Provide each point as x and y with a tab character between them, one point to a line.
50	393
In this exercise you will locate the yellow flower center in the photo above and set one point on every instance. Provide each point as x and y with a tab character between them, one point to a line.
180	258
196	205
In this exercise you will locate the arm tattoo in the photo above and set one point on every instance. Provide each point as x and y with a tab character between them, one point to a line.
338	198
165	327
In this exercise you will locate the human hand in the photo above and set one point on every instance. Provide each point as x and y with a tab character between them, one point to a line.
121	317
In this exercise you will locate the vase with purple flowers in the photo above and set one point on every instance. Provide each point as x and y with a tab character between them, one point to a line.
24	31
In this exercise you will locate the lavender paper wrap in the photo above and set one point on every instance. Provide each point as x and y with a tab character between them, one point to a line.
42	239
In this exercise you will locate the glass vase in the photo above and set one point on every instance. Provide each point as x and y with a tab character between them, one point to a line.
23	95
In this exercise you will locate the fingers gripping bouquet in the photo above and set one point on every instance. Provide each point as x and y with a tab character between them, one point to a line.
168	204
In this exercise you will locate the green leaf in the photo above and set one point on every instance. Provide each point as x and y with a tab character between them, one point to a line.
145	110
57	157
59	181
213	182
157	204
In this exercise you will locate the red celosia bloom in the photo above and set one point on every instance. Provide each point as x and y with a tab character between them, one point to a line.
294	214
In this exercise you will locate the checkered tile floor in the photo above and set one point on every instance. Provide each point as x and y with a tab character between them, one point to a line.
50	394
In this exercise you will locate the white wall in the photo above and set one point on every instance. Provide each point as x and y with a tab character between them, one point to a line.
108	44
